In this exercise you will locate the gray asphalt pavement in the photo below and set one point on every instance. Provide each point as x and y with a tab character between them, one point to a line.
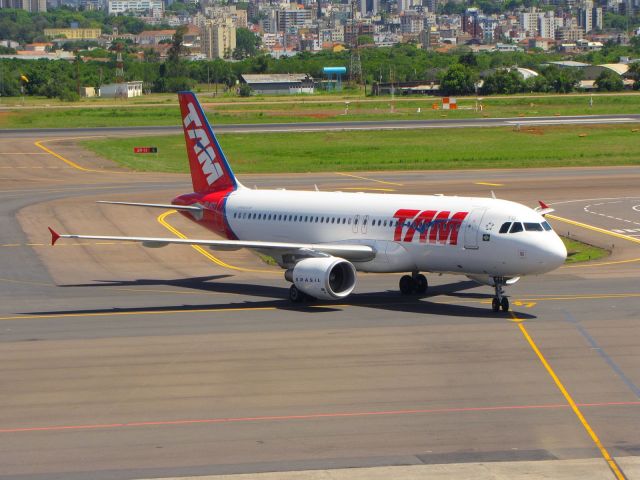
325	126
119	362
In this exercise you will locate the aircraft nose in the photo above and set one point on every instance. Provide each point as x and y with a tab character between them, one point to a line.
555	253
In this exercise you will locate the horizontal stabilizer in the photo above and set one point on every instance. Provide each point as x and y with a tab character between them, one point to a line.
195	210
544	209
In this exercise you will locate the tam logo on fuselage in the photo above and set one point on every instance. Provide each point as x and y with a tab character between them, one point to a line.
202	146
438	227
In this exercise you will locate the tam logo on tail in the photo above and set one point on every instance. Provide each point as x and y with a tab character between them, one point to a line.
202	146
210	171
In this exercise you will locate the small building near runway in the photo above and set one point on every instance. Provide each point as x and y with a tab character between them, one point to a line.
122	90
279	83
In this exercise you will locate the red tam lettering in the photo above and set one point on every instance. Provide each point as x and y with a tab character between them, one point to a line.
420	223
456	221
402	215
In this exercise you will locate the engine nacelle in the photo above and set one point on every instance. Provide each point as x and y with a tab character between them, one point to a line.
326	278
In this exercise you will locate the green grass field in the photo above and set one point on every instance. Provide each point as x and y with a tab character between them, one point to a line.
582	252
163	110
557	146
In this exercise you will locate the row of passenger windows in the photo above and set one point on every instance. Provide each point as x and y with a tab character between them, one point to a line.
312	219
516	227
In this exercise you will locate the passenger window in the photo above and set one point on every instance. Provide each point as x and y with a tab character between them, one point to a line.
505	227
532	227
516	227
546	226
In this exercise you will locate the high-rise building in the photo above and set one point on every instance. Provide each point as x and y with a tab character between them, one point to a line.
529	22
219	38
547	25
590	17
28	5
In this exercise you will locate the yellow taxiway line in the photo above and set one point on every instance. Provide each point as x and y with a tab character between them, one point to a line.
595	229
368	179
490	184
613	465
199	249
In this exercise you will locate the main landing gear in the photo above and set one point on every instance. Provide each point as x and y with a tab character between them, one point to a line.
499	301
296	296
416	283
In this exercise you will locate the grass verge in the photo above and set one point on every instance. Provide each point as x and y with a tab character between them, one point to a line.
582	252
555	146
310	109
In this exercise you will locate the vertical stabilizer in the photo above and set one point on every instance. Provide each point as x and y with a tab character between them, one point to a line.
210	171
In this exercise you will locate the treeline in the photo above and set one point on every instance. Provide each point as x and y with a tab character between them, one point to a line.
458	72
27	27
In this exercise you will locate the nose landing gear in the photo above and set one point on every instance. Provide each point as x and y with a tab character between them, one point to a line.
500	300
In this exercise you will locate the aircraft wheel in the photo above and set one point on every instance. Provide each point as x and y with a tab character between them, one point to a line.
495	304
505	304
295	295
421	284
407	285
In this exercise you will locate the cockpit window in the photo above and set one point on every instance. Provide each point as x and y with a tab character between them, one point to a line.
505	227
546	226
532	227
516	227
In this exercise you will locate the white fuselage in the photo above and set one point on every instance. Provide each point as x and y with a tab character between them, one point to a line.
408	232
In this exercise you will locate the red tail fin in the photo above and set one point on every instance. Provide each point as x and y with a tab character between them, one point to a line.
210	171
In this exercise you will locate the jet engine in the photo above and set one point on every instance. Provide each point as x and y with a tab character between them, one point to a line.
326	278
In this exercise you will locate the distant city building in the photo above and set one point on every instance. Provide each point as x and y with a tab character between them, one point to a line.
73	33
590	17
219	38
28	5
155	7
293	18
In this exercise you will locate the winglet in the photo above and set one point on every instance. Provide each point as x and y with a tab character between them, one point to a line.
54	236
543	205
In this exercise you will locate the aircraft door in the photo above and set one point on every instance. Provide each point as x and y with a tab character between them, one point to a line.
365	220
356	221
472	228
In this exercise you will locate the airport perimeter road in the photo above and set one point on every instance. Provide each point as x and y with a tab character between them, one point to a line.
325	126
119	362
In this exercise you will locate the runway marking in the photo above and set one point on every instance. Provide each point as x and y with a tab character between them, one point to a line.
199	249
601	264
369	179
574	407
22	153
490	184
308	416
369	189
60	157
579	297
595	229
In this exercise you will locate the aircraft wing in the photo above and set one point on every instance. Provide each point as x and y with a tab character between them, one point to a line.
196	210
354	252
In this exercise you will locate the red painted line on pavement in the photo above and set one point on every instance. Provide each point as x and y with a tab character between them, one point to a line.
310	416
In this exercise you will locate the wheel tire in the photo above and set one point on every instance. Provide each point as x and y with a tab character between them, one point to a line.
495	304
295	295
421	284
407	285
505	304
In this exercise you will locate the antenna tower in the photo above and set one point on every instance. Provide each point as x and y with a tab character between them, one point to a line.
119	64
355	70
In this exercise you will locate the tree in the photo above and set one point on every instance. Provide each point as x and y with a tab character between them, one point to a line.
562	80
365	40
245	90
247	44
609	81
503	81
458	80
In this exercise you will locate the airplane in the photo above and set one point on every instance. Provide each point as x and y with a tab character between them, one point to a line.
322	239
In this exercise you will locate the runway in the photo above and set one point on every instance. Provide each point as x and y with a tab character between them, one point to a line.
327	126
119	362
